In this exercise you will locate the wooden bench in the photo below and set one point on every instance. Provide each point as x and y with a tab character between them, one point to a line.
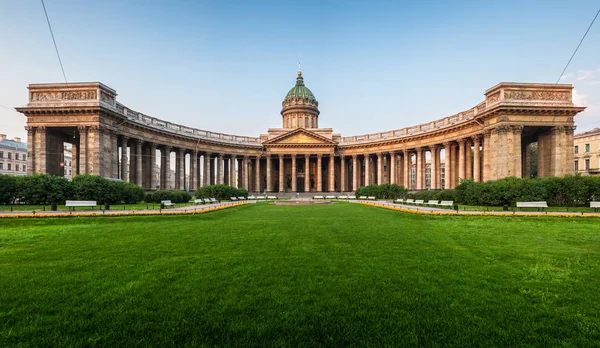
212	200
260	198
329	197
362	197
399	200
540	205
410	201
430	202
167	203
446	203
271	197
351	197
241	198
199	201
595	205
342	197
419	201
251	197
371	198
73	204
318	197
233	198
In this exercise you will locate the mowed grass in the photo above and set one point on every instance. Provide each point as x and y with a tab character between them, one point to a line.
326	275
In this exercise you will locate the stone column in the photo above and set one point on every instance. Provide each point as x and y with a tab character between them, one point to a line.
461	159
393	172
114	139
220	171
138	163
434	167
181	169
447	165
193	171
232	171
257	179
123	159
281	176
367	170
331	172
93	150
516	165
343	177
132	162
294	175
468	160
245	173
419	168
400	168
152	166
486	170
423	163
306	173
354	172
568	145
31	152
207	169
407	169
319	174
379	168
476	158
269	181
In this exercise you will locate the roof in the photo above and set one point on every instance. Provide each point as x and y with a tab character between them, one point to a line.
300	90
13	144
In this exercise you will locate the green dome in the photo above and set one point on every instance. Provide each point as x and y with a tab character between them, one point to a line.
300	91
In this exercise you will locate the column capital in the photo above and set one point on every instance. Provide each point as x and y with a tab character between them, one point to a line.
501	129
207	154
246	157
418	150
319	155
517	129
221	155
293	155
258	157
307	156
476	138
447	143
461	141
380	154
487	133
280	156
233	156
167	147
569	130
79	128
181	150
354	157
434	147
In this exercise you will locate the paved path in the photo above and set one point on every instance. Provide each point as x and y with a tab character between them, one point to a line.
473	212
189	208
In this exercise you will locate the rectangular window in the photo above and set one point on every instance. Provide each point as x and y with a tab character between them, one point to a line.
24	168
9	166
576	165
10	155
17	156
576	148
1	166
587	164
17	167
587	147
24	157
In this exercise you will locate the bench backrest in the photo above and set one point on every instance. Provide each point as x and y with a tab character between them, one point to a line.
251	197
399	200
410	200
271	197
166	202
233	198
532	204
594	204
371	198
448	203
433	202
362	197
330	197
80	203
351	197
318	197
199	200
241	198
419	201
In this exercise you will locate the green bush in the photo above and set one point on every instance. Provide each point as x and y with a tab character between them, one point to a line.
220	192
571	190
132	193
9	189
385	191
43	189
175	196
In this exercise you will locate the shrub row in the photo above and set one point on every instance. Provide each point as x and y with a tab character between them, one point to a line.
45	189
571	190
220	192
444	195
175	196
385	191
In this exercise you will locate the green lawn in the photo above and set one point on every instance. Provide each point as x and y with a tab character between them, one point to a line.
136	206
324	275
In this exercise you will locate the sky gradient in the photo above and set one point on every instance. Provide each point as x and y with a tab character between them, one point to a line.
225	66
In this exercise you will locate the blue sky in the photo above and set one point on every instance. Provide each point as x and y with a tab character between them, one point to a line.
226	66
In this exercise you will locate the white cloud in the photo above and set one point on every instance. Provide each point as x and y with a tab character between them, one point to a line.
585	74
579	99
566	76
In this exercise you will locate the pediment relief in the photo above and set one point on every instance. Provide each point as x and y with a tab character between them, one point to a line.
300	136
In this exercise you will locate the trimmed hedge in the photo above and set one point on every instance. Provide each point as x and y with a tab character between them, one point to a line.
45	189
220	192
175	196
385	191
571	191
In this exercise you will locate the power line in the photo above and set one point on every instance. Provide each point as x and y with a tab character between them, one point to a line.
53	40
573	55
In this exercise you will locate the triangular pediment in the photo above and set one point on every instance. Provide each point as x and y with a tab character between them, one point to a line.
300	136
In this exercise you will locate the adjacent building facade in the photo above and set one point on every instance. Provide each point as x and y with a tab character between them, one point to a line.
13	156
485	142
587	152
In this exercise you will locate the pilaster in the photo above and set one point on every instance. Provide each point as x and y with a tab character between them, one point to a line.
294	175
319	174
269	178
138	162
281	174
354	173
476	158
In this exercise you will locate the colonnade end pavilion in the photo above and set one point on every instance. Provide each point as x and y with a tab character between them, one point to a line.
486	142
